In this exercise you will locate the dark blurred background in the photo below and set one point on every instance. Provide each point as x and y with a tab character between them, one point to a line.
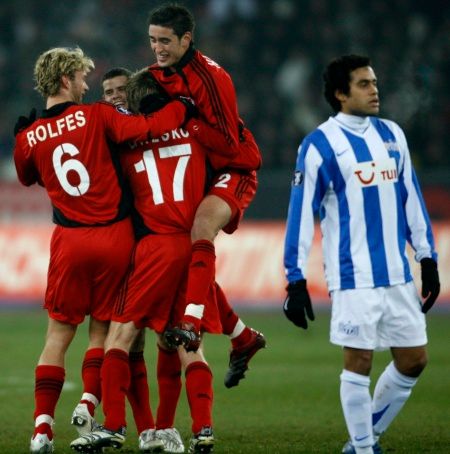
275	51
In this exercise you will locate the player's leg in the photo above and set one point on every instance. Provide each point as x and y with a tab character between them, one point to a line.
49	380
355	398
169	389
212	214
199	391
404	329
83	414
395	384
115	381
354	319
139	397
245	341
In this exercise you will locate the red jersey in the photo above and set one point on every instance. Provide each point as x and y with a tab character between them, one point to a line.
70	152
210	86
167	176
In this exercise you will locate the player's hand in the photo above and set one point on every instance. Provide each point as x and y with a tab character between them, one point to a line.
297	305
23	121
191	109
184	334
430	283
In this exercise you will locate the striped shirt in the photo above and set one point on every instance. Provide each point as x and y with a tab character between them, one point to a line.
356	174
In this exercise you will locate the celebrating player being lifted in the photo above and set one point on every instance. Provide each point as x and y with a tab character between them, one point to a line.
355	170
184	71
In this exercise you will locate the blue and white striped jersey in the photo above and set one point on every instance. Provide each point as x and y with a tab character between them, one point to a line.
356	173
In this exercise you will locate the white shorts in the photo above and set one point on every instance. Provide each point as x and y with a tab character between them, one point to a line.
378	318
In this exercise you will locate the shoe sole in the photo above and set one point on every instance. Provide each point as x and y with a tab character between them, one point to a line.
232	379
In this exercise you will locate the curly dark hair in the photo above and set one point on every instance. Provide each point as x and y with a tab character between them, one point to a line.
337	77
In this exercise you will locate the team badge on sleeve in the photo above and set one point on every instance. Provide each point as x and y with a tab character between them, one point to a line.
122	110
298	178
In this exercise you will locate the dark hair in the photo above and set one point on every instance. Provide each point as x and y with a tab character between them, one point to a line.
144	94
337	77
116	72
174	16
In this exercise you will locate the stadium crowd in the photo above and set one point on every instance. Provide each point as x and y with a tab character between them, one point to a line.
274	49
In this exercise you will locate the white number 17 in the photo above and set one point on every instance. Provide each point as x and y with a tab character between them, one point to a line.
148	164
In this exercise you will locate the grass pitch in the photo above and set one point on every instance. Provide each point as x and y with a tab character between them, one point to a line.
289	402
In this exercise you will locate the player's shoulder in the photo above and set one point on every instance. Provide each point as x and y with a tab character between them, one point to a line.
207	62
107	106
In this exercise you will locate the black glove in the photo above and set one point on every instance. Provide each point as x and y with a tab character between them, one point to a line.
430	283
191	110
298	303
23	122
185	335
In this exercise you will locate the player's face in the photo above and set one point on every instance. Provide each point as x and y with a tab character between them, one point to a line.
362	99
114	91
78	86
166	45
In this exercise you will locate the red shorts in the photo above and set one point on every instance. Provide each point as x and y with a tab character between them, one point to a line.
154	293
87	267
237	188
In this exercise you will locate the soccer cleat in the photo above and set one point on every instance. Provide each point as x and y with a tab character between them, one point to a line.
41	444
98	439
202	442
171	440
240	357
350	449
82	420
148	442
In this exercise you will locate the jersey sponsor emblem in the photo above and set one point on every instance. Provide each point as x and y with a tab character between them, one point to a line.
298	178
122	110
376	173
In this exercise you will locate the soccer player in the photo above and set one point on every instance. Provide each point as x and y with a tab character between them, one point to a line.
167	177
114	91
68	151
184	71
355	170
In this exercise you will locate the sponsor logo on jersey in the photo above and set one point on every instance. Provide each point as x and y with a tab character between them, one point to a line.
376	173
298	178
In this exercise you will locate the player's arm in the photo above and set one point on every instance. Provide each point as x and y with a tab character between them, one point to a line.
421	236
123	126
25	167
217	104
417	218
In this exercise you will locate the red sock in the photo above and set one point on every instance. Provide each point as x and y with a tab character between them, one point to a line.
90	373
228	317
200	394
201	276
115	375
242	339
139	394
169	387
49	381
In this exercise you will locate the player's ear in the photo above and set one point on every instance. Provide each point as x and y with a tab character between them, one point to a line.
340	96
186	39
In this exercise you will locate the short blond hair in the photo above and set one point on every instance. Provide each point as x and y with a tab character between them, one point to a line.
55	63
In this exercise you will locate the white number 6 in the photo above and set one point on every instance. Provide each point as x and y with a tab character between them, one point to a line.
62	169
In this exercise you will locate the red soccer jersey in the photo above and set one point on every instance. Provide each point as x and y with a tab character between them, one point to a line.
167	177
212	90
69	151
